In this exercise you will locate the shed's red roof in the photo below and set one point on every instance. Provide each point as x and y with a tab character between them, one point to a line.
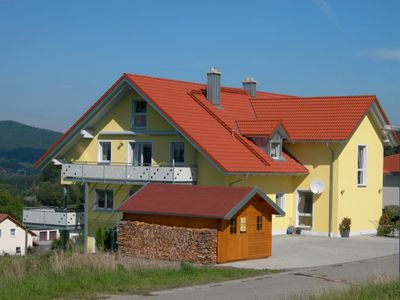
218	202
391	164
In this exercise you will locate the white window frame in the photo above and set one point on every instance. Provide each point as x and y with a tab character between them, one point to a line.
106	201
278	141
171	153
13	232
283	201
100	152
364	166
134	113
130	151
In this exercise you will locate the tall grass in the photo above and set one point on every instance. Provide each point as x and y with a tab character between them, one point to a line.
372	291
74	275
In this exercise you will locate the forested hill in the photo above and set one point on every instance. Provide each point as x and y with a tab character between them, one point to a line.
21	145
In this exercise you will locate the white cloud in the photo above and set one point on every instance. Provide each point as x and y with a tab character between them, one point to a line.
381	53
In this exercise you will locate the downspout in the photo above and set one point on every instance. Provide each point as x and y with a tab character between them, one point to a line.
330	189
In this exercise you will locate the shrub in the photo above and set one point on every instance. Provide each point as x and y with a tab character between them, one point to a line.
393	212
345	224
386	226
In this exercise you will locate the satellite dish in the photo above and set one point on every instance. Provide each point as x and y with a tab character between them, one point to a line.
317	186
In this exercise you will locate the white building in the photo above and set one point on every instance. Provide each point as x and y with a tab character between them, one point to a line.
12	236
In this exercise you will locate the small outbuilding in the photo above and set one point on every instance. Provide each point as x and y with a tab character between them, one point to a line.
199	224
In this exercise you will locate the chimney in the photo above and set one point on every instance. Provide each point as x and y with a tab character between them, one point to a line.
213	86
249	84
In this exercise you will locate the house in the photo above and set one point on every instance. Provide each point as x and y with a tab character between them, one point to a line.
318	158
46	235
199	224
391	180
13	235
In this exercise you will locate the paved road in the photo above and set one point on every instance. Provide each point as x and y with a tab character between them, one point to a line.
300	282
300	251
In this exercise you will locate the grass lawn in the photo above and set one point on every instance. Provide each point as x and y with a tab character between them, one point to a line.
78	276
372	291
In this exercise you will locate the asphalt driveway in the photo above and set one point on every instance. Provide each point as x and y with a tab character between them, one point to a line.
301	251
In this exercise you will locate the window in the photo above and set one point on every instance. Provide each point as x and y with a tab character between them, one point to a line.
105	152
18	250
259	222
12	232
105	199
361	166
140	153
280	200
178	153
232	226
0	233
275	146
139	114
243	225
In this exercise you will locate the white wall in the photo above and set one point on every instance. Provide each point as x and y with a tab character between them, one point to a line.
391	189
8	244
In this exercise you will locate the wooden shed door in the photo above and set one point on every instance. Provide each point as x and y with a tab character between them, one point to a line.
238	242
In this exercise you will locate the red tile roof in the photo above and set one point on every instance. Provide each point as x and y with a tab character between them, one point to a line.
316	118
258	127
3	217
391	163
217	132
192	200
205	126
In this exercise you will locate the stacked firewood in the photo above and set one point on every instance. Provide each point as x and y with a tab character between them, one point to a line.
153	241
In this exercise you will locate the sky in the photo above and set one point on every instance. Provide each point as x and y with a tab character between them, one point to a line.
58	57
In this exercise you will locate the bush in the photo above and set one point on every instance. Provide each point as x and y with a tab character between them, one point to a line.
386	226
393	212
345	224
102	239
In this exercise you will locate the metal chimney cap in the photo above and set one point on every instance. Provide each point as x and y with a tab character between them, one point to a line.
214	70
249	79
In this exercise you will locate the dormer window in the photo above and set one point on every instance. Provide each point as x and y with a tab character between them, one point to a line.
139	114
275	146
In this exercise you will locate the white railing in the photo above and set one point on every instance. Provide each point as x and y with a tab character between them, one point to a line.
48	217
127	173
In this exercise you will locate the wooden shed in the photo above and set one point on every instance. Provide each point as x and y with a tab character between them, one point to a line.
204	224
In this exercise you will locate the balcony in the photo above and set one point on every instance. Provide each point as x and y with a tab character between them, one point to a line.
125	173
50	217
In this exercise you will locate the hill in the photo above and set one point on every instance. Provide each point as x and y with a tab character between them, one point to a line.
21	144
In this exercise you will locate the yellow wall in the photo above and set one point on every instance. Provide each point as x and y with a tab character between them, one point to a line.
100	218
362	204
117	120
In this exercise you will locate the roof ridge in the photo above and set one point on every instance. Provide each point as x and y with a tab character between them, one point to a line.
228	128
164	79
317	97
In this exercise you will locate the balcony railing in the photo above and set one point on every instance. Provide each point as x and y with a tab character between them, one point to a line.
125	173
51	217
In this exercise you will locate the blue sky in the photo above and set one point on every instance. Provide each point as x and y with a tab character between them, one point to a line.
58	57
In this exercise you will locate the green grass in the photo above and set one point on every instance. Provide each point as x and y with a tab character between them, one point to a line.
372	291
78	276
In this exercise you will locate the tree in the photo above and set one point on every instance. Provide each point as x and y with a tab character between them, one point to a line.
10	204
